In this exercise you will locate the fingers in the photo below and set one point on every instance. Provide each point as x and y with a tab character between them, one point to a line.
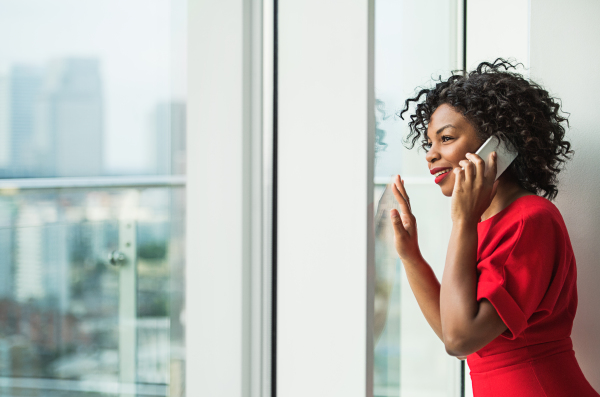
459	178
482	171
402	220
402	201
399	229
399	182
493	166
403	223
478	165
469	170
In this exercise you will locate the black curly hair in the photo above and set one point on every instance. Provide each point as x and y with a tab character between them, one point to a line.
500	102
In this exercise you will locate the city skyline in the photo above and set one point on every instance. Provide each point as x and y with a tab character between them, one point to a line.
140	67
52	124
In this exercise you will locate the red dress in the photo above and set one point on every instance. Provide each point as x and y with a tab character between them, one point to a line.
526	269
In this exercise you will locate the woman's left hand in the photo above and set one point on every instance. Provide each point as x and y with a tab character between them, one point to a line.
474	188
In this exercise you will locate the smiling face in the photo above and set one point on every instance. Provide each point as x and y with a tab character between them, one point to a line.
451	137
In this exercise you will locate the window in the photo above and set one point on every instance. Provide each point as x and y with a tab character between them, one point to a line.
409	358
92	197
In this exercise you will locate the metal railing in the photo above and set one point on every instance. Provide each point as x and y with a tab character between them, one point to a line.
91	182
130	327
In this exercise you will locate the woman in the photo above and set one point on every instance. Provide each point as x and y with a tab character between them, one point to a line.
508	294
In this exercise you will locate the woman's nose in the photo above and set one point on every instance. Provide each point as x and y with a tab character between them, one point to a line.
432	155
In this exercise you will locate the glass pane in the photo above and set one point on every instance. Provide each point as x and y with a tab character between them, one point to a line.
64	314
92	280
415	41
92	88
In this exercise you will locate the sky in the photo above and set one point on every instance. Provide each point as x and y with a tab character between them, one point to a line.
412	45
141	45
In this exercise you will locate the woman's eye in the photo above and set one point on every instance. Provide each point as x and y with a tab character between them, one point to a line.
444	138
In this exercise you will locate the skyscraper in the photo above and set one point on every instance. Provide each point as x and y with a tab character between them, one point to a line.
24	87
6	247
54	120
29	274
5	141
70	118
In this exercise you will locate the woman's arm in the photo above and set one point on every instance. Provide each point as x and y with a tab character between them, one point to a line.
463	324
484	326
422	280
426	288
467	325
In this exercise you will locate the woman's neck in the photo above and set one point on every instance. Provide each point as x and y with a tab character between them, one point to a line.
508	191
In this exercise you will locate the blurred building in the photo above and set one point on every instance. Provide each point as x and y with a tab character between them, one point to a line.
51	120
59	298
29	271
70	121
5	127
6	247
24	85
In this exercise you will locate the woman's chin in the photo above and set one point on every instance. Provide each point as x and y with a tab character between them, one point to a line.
447	191
447	185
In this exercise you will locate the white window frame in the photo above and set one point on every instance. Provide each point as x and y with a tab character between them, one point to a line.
324	234
228	235
325	258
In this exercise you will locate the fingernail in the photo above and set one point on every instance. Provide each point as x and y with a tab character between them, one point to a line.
395	214
468	154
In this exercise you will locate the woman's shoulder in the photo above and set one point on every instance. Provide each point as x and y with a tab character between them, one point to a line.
526	211
532	203
530	220
537	213
535	208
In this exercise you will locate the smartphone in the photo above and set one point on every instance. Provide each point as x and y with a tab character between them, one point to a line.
506	153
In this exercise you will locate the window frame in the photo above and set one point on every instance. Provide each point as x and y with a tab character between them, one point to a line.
228	228
229	236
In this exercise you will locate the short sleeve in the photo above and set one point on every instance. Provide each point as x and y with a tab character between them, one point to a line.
516	274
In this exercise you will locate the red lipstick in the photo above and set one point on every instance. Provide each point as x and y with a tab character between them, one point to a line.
439	178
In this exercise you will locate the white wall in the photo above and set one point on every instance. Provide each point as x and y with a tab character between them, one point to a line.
497	29
564	59
557	41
